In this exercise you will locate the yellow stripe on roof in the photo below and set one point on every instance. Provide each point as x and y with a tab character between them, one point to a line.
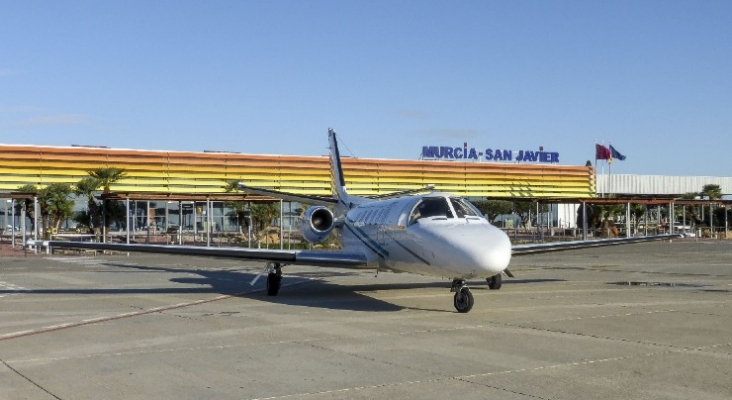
180	172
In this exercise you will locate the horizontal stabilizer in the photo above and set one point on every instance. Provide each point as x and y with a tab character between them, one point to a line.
402	193
299	198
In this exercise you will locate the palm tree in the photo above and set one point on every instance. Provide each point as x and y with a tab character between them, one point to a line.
713	192
610	212
239	211
27	204
523	209
692	215
263	214
93	216
599	217
637	211
56	205
106	177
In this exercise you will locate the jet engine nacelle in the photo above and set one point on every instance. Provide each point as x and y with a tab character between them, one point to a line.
316	224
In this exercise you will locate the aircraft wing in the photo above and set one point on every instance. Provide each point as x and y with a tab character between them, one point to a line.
299	198
523	249
322	258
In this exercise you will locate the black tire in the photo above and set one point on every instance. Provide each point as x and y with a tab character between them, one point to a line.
495	282
464	300
273	284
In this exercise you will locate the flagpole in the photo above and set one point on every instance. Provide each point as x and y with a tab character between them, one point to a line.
602	194
609	169
602	173
596	182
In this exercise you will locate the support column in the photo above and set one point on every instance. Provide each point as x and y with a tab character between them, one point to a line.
289	227
147	219
538	222
104	221
195	223
35	220
180	222
12	214
683	218
658	210
128	224
672	217
584	220
22	221
282	217
711	221
249	227
208	222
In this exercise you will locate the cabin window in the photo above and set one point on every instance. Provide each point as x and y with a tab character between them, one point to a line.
382	214
367	219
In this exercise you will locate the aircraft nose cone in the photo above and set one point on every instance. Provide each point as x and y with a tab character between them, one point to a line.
491	254
477	251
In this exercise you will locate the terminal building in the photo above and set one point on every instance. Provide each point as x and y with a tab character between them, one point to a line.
173	181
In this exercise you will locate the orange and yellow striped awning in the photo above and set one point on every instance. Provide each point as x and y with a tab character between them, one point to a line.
200	172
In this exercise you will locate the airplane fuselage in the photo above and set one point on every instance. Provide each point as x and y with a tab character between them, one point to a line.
454	241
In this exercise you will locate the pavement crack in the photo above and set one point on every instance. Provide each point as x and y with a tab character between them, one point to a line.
501	389
372	359
591	336
34	383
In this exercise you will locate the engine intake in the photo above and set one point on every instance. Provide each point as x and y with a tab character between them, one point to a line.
316	224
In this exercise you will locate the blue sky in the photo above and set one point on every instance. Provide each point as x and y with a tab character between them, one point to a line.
654	78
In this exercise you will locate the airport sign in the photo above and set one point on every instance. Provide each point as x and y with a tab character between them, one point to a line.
466	153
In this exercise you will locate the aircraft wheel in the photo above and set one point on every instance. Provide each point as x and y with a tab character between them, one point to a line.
463	300
495	282
273	283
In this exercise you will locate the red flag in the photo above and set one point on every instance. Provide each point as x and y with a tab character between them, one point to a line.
602	152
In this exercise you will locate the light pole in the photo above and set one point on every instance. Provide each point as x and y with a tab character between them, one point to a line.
12	213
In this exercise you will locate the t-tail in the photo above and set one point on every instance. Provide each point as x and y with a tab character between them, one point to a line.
337	182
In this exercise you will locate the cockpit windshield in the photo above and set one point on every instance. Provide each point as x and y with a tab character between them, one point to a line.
463	208
431	207
443	207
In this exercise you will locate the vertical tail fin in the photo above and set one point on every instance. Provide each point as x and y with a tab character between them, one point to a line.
338	184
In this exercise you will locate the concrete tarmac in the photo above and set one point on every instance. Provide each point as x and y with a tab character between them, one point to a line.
644	321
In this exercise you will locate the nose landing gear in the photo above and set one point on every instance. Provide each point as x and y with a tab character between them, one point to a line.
463	299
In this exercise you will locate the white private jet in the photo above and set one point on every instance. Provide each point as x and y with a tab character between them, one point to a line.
435	234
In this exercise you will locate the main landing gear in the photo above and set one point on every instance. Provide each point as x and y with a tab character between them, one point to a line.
274	278
463	297
495	282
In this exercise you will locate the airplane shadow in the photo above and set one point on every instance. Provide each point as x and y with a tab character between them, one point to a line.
513	281
303	288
